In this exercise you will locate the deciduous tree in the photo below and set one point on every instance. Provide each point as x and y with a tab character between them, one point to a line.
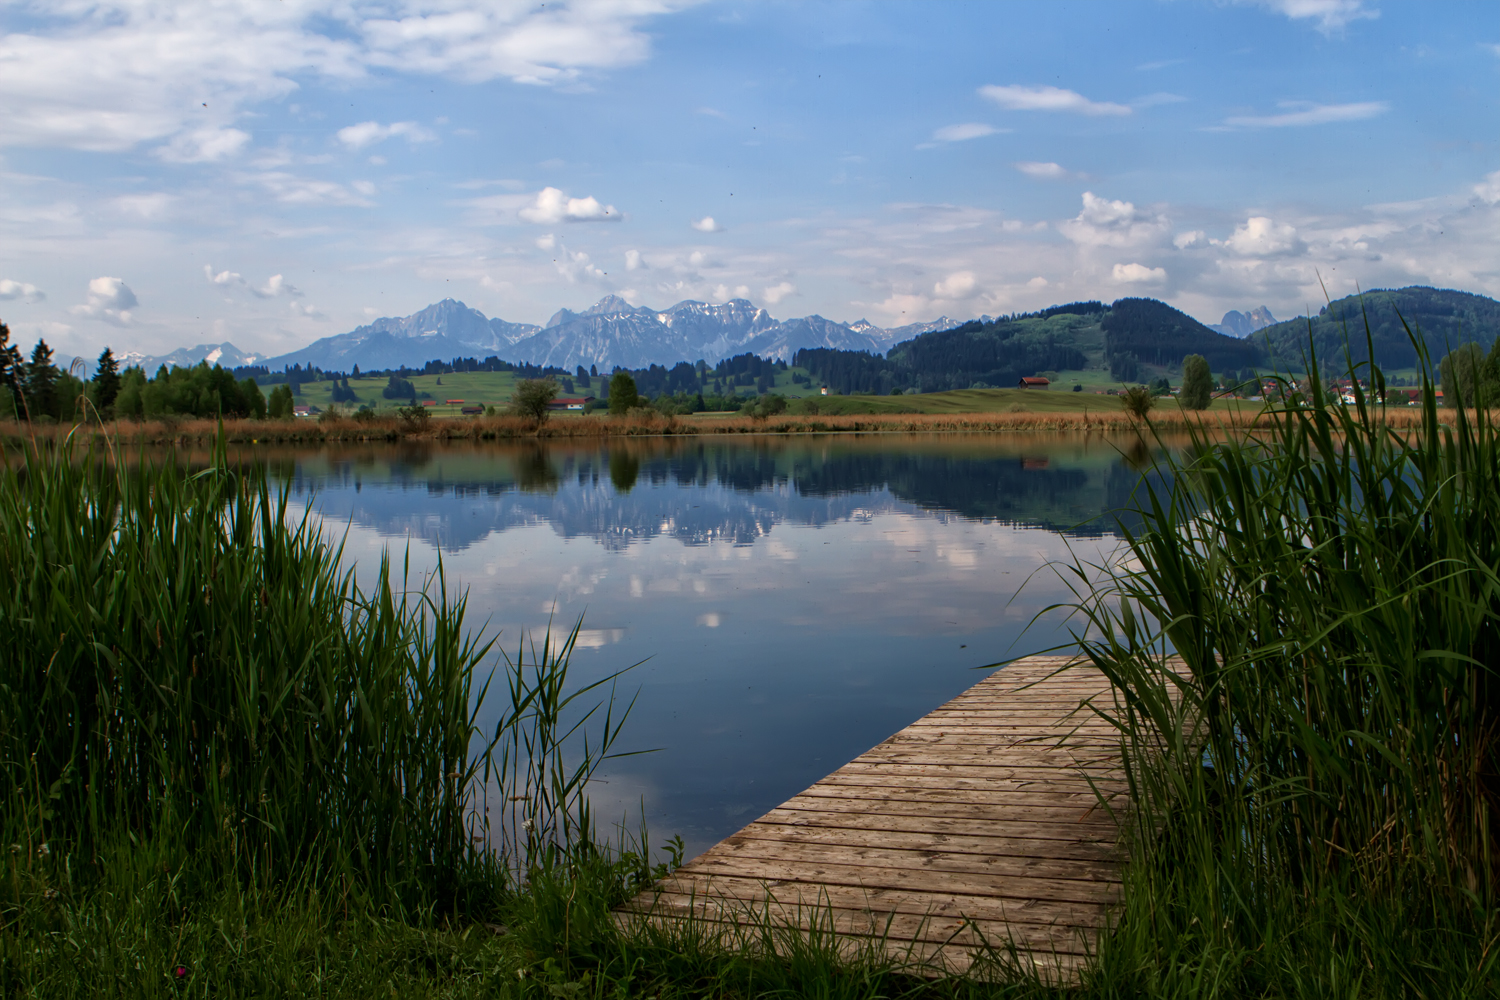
1197	383
533	396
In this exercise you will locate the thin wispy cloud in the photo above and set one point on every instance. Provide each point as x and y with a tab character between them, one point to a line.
1046	98
368	133
1331	15
1157	99
1302	113
11	290
964	132
1042	171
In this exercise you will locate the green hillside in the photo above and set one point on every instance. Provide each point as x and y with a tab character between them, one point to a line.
1132	340
1446	318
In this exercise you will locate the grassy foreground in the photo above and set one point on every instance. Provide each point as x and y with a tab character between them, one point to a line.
227	771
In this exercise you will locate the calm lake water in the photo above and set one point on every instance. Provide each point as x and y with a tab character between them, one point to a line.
794	600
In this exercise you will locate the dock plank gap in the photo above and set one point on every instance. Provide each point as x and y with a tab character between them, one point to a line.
987	829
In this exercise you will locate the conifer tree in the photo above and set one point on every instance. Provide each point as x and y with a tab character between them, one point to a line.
106	380
40	389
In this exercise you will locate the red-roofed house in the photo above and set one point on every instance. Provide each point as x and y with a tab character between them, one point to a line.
576	403
1033	382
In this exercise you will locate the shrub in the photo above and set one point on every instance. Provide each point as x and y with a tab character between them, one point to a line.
532	397
1137	400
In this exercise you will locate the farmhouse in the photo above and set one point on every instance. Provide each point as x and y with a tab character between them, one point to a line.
1033	382
570	403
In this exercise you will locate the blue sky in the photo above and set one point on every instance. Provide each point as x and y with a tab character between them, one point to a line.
271	173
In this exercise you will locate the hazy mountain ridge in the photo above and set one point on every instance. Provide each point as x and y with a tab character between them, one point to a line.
612	332
1243	324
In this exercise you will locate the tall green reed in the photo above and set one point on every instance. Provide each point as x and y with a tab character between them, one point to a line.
188	672
1332	587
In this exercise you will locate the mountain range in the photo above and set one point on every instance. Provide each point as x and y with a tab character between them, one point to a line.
1243	324
610	333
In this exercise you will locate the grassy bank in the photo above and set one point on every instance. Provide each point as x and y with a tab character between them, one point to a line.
584	428
1317	792
227	771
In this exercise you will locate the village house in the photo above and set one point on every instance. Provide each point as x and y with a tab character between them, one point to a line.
575	403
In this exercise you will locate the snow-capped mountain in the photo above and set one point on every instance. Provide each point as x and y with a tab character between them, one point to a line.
444	330
225	355
1243	324
609	333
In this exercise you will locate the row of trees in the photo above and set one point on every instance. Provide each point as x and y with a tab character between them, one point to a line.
36	389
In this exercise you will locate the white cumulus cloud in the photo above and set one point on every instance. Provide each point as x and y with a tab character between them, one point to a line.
958	285
633	260
1331	15
723	293
553	206
1046	98
1262	237
109	300
368	133
1489	188
1042	171
25	291
222	277
707	225
106	75
1138	274
1301	113
1112	223
775	293
960	133
274	286
1188	239
204	145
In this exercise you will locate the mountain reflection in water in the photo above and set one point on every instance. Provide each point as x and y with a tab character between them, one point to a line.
792	601
739	491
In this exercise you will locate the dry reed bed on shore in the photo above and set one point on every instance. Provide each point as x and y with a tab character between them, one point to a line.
174	431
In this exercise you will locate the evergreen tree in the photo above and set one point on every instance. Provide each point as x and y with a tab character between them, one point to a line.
11	365
280	406
106	381
1197	383
40	389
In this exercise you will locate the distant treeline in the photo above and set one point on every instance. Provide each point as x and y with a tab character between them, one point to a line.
999	353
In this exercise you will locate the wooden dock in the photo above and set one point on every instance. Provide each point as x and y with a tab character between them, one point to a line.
978	826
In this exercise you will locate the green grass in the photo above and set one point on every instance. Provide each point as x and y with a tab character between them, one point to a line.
1055	400
1317	791
277	790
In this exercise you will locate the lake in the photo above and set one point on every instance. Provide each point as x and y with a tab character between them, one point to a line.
791	601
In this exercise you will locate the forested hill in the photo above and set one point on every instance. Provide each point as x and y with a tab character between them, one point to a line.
1126	337
1156	334
1446	318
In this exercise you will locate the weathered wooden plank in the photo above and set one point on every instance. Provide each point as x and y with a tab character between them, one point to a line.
1080	820
896	928
942	945
853	816
735	893
928	857
980	821
993	769
996	849
824	871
